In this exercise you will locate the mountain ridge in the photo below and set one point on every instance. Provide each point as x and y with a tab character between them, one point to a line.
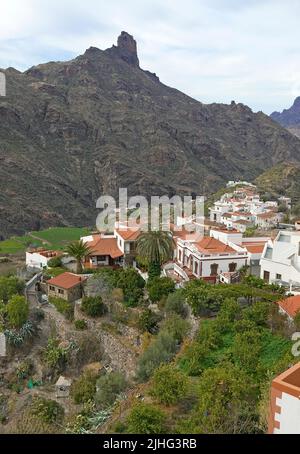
72	131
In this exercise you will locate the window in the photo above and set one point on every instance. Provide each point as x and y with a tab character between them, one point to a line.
101	258
196	268
52	288
179	255
278	276
61	291
232	267
191	263
266	276
214	269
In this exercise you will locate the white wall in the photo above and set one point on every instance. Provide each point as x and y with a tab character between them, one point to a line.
36	260
289	418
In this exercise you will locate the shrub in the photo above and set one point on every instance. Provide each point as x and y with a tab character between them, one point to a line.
89	348
159	287
132	284
176	303
55	262
168	384
10	286
176	327
54	355
146	419
108	388
80	324
84	388
49	411
63	306
160	351
93	306
148	321
17	311
24	369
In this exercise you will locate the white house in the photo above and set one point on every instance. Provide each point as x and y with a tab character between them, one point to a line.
280	261
207	258
284	411
40	258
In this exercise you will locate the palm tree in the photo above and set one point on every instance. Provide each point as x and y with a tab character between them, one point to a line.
78	250
155	247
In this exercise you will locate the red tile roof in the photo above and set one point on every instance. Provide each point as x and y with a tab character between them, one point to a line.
254	248
290	305
128	234
209	245
104	246
267	215
66	280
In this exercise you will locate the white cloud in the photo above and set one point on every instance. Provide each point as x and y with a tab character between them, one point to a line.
214	50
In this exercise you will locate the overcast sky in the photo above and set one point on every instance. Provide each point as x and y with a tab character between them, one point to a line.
213	50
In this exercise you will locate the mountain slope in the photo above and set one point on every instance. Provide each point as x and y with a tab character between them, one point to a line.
290	118
282	179
71	131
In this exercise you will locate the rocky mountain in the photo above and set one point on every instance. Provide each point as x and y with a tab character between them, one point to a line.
71	131
290	118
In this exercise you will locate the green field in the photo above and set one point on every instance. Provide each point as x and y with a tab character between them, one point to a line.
52	238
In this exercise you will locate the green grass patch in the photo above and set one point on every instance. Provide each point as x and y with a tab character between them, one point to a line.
52	238
59	237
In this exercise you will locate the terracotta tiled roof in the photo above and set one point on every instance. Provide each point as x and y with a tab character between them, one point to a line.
66	280
267	215
104	246
241	213
209	245
290	305
254	248
128	234
242	222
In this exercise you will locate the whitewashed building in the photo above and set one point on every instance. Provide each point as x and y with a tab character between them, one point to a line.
284	411
40	258
280	261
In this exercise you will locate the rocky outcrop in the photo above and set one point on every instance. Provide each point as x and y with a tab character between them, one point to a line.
290	118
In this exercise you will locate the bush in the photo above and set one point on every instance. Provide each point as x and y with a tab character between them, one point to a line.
146	419
176	327
49	411
162	350
83	389
54	355
169	384
80	324
55	262
17	311
132	284
93	306
148	321
10	286
176	303
63	307
159	287
89	349
108	388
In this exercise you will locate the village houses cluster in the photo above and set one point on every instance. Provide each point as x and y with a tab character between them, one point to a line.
217	256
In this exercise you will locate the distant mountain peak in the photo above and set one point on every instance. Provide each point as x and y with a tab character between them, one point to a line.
126	49
289	117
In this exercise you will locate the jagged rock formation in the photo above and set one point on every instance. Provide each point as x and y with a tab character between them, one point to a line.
71	131
290	118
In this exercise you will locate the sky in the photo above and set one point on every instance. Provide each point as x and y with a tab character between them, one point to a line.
212	50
